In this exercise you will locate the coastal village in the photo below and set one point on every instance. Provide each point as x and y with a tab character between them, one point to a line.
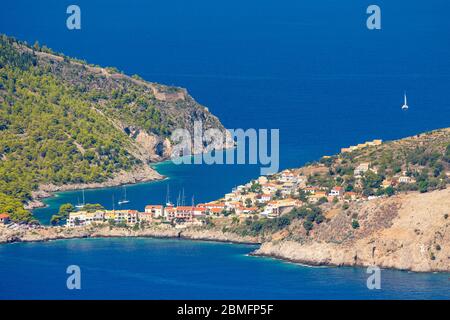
267	196
373	203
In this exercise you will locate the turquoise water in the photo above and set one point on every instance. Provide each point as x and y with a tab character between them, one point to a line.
204	182
181	269
308	68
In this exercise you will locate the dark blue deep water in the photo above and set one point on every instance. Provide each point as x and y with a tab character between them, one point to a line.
180	269
309	68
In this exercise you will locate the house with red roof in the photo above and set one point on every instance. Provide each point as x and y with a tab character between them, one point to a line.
337	192
155	210
4	218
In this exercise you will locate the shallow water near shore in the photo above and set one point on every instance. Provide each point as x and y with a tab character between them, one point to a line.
308	68
141	268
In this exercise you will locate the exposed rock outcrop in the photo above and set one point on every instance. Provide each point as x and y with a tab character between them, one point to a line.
407	232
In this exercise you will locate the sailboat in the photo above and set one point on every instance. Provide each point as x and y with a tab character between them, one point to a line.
124	200
405	104
168	203
81	205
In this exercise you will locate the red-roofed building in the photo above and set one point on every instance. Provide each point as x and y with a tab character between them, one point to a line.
4	218
337	192
250	210
216	211
199	211
185	213
155	210
132	216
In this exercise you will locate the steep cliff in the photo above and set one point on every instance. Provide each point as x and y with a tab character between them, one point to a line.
67	124
407	231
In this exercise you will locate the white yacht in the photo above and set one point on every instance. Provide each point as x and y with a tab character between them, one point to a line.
405	104
124	200
81	205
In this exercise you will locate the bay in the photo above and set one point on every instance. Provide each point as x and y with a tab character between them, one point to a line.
309	68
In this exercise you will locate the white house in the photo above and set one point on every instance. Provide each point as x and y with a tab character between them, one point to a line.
265	197
337	192
155	210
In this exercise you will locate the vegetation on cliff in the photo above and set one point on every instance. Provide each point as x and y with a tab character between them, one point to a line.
334	186
63	121
418	163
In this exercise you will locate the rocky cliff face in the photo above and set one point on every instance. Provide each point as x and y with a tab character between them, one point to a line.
66	124
130	103
41	233
407	232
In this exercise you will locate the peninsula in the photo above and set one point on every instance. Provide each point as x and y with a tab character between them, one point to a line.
381	203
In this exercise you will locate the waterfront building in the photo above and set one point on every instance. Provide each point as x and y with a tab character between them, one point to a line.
156	210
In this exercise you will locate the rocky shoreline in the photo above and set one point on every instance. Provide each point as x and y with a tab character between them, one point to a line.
405	232
312	254
408	231
142	173
41	234
332	255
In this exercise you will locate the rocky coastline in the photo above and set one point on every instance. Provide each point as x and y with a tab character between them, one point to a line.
142	173
413	236
405	232
24	233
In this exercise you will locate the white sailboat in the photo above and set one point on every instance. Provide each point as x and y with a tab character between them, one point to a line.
168	203
405	103
81	205
124	200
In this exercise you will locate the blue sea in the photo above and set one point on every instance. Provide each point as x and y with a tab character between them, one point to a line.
311	69
181	269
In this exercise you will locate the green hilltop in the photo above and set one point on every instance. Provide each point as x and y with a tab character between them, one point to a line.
63	121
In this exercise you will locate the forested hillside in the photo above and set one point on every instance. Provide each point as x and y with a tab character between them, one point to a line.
63	121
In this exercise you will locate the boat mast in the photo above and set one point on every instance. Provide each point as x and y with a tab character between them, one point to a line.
168	195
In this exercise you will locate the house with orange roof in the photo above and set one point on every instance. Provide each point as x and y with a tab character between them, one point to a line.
199	211
4	218
249	210
216	211
185	213
337	191
155	210
132	216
